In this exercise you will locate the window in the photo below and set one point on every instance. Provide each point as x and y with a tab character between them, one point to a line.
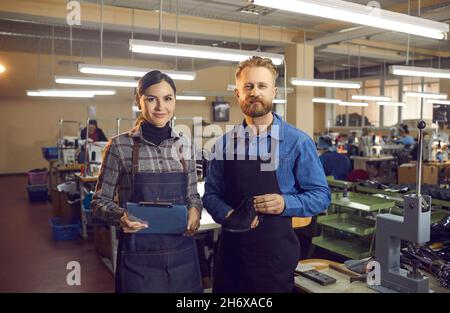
412	108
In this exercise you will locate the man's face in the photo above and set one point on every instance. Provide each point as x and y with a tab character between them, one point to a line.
255	91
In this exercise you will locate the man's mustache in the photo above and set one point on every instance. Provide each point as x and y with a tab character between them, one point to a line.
254	99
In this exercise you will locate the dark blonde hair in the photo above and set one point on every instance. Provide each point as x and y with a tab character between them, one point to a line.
256	61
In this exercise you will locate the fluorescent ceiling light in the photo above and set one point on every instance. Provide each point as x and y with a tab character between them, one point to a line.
427	95
325	83
231	87
388	103
69	93
355	50
201	52
419	71
354	104
326	100
281	101
95	81
443	102
131	71
371	98
192	98
361	14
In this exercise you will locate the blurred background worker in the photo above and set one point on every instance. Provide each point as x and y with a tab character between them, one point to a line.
334	164
405	138
95	133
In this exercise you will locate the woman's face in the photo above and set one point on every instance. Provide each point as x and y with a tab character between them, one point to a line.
158	103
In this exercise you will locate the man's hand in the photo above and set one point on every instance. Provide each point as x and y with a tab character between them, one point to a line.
193	221
129	226
272	203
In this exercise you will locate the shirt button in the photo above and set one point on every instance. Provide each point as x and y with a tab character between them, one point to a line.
161	161
158	150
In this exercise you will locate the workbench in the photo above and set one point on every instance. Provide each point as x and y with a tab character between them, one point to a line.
342	276
56	171
348	229
379	167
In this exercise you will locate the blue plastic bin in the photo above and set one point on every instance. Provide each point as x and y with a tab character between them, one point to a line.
50	153
37	193
65	232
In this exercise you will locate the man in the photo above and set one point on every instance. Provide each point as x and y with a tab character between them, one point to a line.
262	173
95	133
334	164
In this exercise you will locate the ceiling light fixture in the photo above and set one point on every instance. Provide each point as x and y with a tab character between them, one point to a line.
354	104
326	100
427	95
325	83
443	102
73	80
131	71
69	93
191	98
361	14
201	52
419	71
371	98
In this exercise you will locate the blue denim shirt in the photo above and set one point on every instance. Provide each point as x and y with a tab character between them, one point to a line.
299	171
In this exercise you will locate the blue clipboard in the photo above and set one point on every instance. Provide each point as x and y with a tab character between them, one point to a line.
161	218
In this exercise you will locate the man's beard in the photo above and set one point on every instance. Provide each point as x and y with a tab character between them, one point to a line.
252	109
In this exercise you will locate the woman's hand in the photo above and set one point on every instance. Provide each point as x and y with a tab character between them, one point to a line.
193	221
129	226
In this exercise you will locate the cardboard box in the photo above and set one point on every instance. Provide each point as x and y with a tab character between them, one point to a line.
56	202
406	174
430	174
61	207
102	241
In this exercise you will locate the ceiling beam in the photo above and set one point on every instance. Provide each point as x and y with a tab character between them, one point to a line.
146	22
403	48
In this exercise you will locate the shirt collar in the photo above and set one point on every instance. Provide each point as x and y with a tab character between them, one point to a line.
274	132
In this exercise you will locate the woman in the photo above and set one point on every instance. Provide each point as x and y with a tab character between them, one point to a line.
142	166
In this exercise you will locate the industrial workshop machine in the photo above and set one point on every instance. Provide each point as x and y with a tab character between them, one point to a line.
412	227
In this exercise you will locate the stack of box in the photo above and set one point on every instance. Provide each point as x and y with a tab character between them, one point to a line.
65	219
37	185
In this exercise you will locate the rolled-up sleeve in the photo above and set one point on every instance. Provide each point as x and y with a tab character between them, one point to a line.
103	203
314	194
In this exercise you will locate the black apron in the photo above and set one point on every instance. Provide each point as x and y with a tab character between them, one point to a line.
264	258
157	262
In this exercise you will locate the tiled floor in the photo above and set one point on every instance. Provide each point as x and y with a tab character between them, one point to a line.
30	260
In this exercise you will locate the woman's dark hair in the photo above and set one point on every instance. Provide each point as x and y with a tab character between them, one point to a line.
152	78
404	128
93	122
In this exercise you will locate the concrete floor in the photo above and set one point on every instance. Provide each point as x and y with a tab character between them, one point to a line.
30	259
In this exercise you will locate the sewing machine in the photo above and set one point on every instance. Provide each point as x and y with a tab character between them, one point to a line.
436	148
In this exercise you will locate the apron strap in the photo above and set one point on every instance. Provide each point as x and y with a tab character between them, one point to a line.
179	148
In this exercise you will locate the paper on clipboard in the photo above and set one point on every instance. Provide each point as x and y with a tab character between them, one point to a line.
161	219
